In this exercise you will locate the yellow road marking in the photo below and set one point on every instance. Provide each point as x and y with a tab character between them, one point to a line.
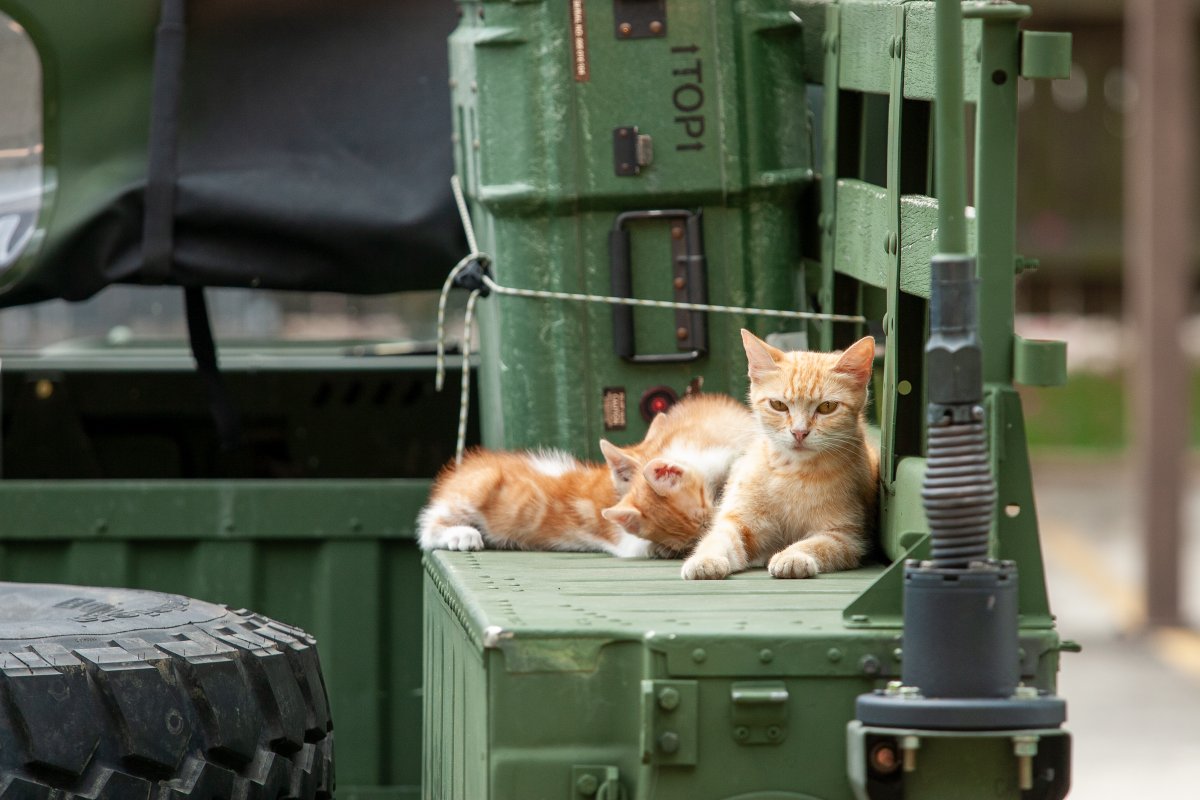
1067	546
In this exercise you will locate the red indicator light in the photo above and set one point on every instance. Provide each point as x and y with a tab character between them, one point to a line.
658	405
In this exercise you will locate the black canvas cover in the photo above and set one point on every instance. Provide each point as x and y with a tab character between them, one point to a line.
313	153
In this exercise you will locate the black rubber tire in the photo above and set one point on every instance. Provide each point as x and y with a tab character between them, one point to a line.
116	694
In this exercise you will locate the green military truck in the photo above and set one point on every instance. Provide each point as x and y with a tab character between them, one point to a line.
797	168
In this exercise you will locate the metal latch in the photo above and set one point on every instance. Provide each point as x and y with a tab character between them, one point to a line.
669	717
632	150
601	782
689	278
760	712
640	19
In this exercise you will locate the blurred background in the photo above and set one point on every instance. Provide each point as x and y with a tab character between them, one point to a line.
1116	466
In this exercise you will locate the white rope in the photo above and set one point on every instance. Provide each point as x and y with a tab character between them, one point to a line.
542	294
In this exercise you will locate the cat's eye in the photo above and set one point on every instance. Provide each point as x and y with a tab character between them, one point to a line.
778	405
828	407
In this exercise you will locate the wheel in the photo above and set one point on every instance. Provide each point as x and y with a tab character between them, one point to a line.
116	694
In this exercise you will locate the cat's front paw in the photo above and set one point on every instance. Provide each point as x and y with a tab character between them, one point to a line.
460	537
793	565
706	568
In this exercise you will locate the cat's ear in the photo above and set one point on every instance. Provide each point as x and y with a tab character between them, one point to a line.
622	464
663	476
761	357
656	426
858	360
628	518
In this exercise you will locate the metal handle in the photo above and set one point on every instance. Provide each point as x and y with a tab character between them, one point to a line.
689	275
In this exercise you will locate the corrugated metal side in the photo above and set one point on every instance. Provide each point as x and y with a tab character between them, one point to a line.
456	708
359	596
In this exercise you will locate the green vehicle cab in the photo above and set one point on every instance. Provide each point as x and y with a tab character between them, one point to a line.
795	168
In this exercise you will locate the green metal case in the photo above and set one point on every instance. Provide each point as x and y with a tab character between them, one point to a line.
568	115
550	675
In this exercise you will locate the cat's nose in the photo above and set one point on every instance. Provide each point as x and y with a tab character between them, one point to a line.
799	435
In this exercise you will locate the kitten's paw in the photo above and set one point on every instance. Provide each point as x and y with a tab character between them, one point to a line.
793	565
706	568
460	537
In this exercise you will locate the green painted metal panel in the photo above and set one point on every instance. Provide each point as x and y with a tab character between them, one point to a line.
722	96
540	663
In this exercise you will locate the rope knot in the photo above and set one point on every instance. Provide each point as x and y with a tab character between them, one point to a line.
473	275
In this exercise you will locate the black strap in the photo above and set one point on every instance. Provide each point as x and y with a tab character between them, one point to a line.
158	234
158	239
204	350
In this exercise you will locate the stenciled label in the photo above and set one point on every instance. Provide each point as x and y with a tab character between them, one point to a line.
688	96
614	408
579	55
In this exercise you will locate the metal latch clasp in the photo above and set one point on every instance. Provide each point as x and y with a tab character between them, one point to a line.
759	712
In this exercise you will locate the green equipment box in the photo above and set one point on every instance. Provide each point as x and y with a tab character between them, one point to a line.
552	675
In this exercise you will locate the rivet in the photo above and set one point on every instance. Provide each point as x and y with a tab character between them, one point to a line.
680	283
43	389
587	785
623	132
676	231
699	654
625	28
766	656
681	333
834	655
774	732
668	742
741	733
870	665
668	699
656	27
898	654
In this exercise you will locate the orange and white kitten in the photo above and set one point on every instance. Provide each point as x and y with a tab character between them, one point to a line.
803	496
669	497
543	500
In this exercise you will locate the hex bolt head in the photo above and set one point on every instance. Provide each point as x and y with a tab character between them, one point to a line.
668	742
870	665
668	699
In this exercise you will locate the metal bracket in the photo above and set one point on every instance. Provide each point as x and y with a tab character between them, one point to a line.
759	712
689	276
669	716
640	19
632	150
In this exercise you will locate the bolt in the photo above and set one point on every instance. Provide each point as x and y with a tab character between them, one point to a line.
587	785
681	333
766	656
910	691
884	758
668	699
1025	748
741	733
834	655
43	389
680	283
656	27
668	742
774	733
894	687
625	28
898	654
698	655
1024	692
909	746
870	665
676	231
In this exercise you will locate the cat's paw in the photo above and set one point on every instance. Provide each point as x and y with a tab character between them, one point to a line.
793	564
460	537
706	568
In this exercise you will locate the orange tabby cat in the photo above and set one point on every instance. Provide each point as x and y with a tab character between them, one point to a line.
669	499
802	497
544	500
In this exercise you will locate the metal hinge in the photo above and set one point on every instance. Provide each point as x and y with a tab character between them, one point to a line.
632	150
759	712
669	717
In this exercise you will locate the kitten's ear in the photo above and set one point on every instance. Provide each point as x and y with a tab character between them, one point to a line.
656	426
858	360
628	518
664	476
621	463
761	357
